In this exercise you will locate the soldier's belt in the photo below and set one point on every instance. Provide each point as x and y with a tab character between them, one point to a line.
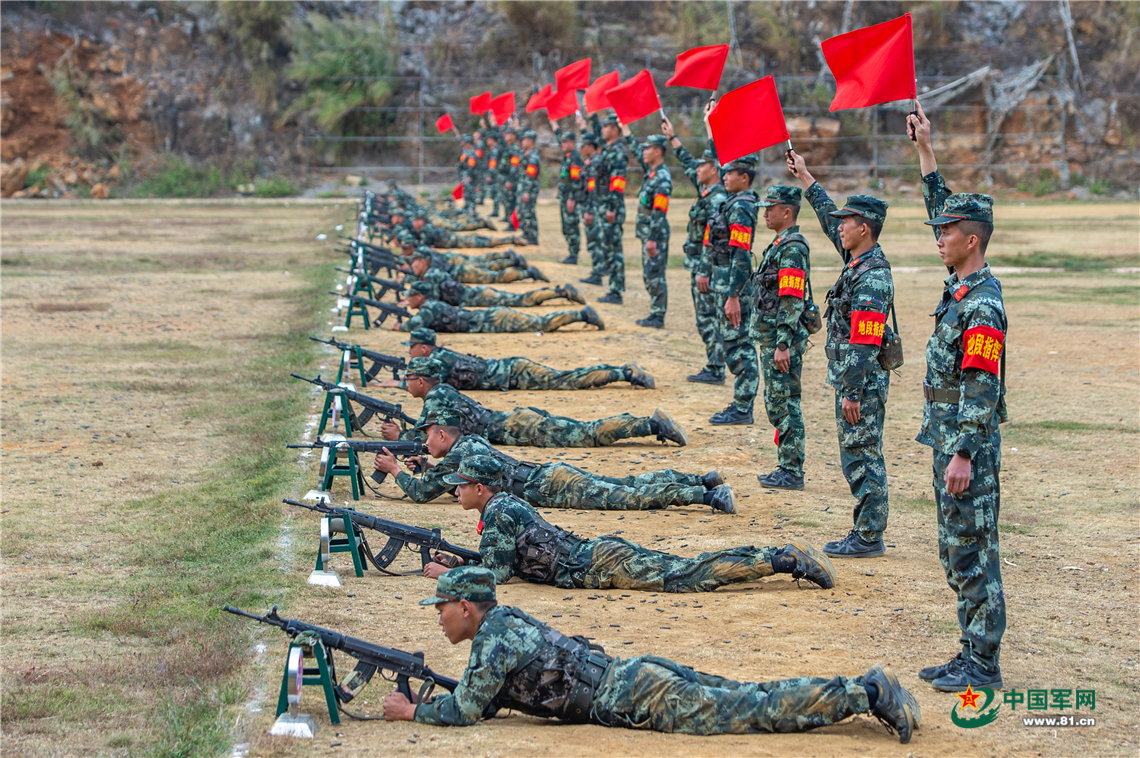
939	395
833	354
645	210
519	475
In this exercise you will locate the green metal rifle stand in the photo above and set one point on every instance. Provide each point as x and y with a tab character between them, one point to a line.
352	543
356	308
319	675
333	467
361	283
352	359
336	408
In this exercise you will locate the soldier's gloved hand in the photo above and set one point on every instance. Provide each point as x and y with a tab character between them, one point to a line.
732	311
390	431
703	283
651	248
958	475
570	206
611	216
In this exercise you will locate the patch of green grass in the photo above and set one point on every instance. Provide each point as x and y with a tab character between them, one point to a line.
274	186
177	177
1045	183
330	195
45	700
1049	259
941	626
1058	425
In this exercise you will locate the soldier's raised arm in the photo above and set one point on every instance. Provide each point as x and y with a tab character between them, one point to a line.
821	203
934	189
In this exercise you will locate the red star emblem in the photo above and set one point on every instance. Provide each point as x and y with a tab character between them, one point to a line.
969	698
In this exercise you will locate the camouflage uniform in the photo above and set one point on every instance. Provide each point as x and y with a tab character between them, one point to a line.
493	183
441	286
466	166
478	176
570	187
965	402
518	662
448	318
524	374
708	202
611	197
780	283
653	223
560	485
432	236
729	248
856	323
529	185
462	269
509	172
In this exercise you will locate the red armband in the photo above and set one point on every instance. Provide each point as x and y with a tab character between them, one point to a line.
706	234
531	170
867	327
617	184
492	163
740	236
982	346
470	161
591	184
478	153
661	203
515	160
792	282
575	172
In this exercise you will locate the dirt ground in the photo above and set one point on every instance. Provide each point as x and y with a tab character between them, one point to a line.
1069	521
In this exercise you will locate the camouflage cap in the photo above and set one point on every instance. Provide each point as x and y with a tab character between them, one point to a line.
421	336
508	129
611	120
743	163
472	583
405	237
965	206
466	138
423	251
589	138
420	212
421	288
493	133
397	211
865	206
566	136
782	194
426	366
528	134
441	417
477	469
708	156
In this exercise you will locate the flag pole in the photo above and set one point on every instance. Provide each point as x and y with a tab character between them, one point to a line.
788	154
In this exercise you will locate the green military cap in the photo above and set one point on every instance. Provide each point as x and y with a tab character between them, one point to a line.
610	120
529	134
708	156
442	417
965	206
658	140
743	163
492	133
473	583
421	336
508	129
420	212
477	469
567	136
426	366
423	251
397	211
405	237
589	138
865	206
466	138
420	288
782	194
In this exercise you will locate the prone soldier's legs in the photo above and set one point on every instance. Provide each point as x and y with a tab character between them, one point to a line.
653	275
481	297
506	320
571	231
473	240
782	402
861	456
560	485
537	428
528	375
655	478
469	273
968	548
621	564
704	303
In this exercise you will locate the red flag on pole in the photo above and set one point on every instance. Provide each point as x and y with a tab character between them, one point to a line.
634	98
480	104
444	123
748	119
700	67
596	93
572	77
515	219
503	106
540	99
457	193
562	104
872	65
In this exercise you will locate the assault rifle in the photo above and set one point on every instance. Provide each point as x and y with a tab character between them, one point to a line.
371	405
379	360
371	658
429	541
385	309
398	448
386	285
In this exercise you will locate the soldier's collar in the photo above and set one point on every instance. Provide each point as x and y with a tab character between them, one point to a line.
793	229
964	286
875	251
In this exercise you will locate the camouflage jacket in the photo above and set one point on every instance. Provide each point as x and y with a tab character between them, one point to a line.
432	236
504	522
964	355
653	197
494	156
780	284
444	397
510	161
590	181
531	165
429	484
439	316
467	163
729	240
571	183
709	199
856	312
480	159
611	191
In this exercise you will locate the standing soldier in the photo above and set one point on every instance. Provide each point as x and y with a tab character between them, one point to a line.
570	191
611	205
494	151
591	163
704	173
779	332
857	307
652	225
528	188
479	175
466	168
729	245
965	401
509	171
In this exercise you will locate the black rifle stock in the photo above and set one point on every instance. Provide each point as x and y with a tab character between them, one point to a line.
398	448
429	541
371	405
379	360
371	658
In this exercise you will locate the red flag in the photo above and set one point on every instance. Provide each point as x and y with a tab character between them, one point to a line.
574	76
700	67
596	93
444	123
872	65
562	104
503	106
540	99
634	98
515	219
480	104
748	119
457	193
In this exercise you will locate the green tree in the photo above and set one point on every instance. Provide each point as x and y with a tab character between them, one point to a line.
257	29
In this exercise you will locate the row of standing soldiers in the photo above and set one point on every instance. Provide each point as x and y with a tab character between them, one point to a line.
502	164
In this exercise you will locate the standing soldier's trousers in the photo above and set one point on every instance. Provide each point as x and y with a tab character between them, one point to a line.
470	273
612	244
493	194
528	218
499	319
570	229
532	427
507	198
525	374
739	352
861	455
481	297
653	275
782	402
596	246
621	564
560	485
708	326
968	549
658	694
